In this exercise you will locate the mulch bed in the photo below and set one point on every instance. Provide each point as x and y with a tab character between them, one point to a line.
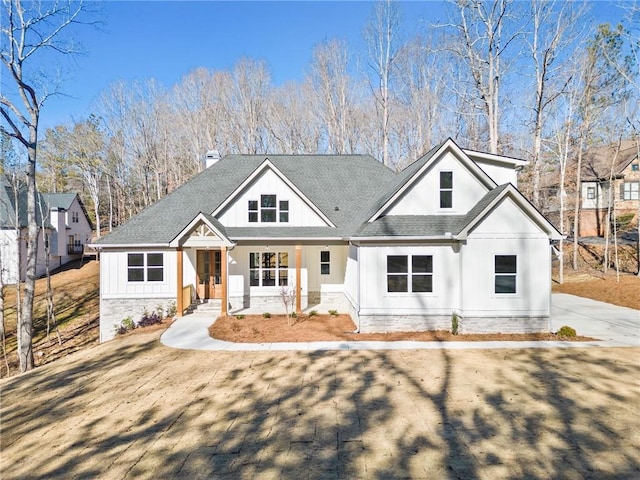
257	329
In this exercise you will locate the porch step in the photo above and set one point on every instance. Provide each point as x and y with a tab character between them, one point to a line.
211	307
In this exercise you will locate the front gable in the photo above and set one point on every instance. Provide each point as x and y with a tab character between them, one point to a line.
202	232
423	192
268	198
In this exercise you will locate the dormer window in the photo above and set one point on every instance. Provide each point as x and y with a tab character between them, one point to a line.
446	189
267	211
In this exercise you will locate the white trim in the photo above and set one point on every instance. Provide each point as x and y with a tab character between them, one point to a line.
449	145
524	206
97	246
264	165
200	217
516	162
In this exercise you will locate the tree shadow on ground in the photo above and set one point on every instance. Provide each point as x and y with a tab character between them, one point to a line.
143	410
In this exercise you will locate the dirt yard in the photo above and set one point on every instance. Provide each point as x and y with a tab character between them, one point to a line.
257	329
132	408
594	285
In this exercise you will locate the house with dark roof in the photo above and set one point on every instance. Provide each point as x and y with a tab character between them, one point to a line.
65	229
449	235
610	187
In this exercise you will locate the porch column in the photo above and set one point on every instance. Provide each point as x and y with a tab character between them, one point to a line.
179	304
298	279
223	275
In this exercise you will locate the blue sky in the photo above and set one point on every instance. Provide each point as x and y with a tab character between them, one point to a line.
167	39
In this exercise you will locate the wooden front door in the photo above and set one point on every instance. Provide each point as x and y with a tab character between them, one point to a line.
208	271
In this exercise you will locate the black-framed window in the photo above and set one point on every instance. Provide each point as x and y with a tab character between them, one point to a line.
253	211
284	211
268	210
446	189
268	269
591	193
325	262
506	269
147	267
75	217
410	273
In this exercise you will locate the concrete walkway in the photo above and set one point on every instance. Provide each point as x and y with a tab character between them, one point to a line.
613	326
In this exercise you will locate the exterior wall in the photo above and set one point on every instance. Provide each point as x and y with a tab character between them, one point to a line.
500	173
352	278
8	255
268	183
120	298
424	197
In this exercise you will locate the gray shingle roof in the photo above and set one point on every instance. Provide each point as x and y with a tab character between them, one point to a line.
425	225
341	186
8	205
59	200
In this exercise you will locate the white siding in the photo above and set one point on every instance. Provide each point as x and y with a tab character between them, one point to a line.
351	276
374	298
423	198
601	198
114	282
268	183
499	173
8	255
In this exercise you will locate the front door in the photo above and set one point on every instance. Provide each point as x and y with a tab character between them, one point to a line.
208	274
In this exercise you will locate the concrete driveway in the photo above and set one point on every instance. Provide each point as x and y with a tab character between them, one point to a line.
613	326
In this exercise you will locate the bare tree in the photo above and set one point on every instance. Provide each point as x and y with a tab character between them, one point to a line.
381	36
553	30
484	32
28	29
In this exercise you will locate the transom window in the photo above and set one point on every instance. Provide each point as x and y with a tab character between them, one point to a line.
145	267
505	273
268	210
630	191
268	269
325	262
409	273
446	189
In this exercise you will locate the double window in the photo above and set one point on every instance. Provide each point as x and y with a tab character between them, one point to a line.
409	273
268	210
630	191
505	267
446	189
145	267
268	269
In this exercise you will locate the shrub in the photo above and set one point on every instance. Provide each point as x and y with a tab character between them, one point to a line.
149	319
172	309
160	311
454	324
566	332
239	317
293	315
266	315
126	325
333	312
313	313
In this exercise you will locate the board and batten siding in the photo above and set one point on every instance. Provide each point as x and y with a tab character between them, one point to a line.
506	231
114	282
268	183
499	173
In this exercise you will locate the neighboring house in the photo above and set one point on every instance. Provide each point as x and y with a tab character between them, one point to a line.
66	227
450	234
609	179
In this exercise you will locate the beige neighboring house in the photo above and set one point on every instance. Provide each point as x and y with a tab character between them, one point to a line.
609	180
67	229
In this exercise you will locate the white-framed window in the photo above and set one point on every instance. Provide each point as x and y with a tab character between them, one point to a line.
268	269
325	262
506	269
446	189
145	267
630	191
410	273
268	210
591	193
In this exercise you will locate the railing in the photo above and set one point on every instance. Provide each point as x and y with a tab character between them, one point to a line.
187	295
75	249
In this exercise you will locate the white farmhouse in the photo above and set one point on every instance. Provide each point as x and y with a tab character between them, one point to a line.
65	226
449	235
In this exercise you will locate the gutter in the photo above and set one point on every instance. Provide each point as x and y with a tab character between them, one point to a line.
100	246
